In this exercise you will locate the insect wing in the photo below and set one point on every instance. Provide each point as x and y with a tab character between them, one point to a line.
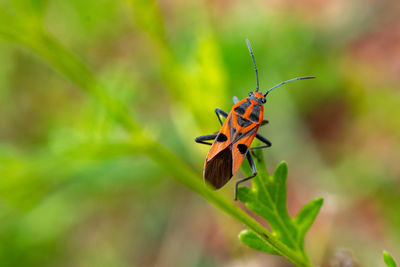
218	171
222	140
218	165
241	147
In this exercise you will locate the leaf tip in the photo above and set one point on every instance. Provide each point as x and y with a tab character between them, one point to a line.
281	171
242	233
282	163
319	201
388	259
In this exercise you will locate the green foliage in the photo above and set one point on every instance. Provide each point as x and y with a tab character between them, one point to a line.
252	240
388	259
267	198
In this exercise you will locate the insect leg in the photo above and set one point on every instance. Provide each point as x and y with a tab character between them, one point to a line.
203	138
264	140
220	113
253	170
264	122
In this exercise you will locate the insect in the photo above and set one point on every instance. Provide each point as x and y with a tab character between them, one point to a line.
232	143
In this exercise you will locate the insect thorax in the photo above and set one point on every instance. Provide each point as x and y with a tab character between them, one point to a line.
248	112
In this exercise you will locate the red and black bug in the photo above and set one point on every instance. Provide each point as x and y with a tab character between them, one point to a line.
232	143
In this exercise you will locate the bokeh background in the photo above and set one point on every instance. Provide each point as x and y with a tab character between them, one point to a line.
74	192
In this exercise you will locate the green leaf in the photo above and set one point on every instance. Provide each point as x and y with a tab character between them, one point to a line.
388	259
307	215
267	198
252	240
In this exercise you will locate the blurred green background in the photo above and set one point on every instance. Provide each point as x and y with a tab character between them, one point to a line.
78	189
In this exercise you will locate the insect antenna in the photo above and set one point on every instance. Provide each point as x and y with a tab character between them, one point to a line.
254	62
288	81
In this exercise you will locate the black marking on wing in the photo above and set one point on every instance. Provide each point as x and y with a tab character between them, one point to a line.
243	122
221	138
241	109
255	113
242	148
218	170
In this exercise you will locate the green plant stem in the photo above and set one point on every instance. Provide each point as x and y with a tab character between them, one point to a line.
76	71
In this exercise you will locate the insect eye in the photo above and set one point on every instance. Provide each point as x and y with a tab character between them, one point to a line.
250	94
263	100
